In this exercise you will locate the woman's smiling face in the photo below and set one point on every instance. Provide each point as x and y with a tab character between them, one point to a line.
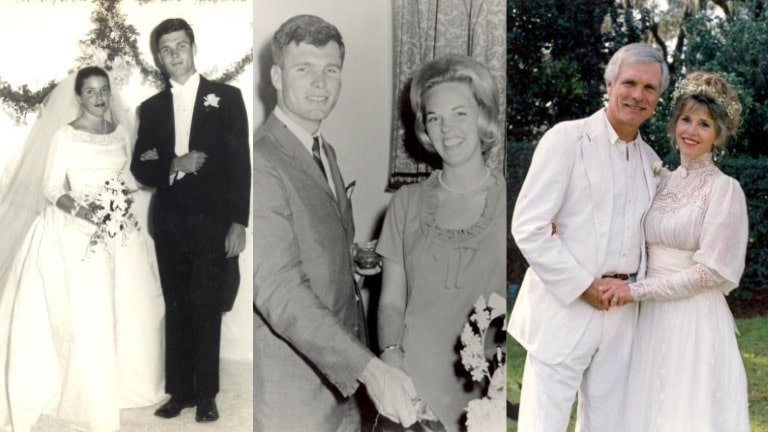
695	131
451	120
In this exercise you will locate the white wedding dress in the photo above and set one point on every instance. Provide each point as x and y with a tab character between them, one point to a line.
81	336
686	372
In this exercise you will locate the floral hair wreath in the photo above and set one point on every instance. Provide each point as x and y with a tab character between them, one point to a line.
686	87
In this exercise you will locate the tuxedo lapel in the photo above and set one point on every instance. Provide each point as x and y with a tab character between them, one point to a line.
198	114
166	120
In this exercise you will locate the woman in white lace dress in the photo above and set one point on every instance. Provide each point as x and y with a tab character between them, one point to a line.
80	321
686	372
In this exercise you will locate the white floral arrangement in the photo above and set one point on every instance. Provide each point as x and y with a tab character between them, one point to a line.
486	414
111	208
120	69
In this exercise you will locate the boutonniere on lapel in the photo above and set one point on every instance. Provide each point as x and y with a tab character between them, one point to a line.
349	189
656	168
211	100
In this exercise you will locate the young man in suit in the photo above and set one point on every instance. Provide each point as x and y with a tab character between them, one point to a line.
577	221
192	146
310	352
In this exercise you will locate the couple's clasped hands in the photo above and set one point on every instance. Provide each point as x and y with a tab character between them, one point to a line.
188	163
394	394
607	292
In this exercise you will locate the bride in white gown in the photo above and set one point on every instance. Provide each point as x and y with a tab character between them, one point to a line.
686	372
81	324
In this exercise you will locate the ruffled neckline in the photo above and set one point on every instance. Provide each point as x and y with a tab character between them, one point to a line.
698	163
450	235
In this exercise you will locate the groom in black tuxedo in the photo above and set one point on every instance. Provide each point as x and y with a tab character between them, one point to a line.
193	147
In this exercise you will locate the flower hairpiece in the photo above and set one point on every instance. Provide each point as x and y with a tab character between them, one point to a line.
687	87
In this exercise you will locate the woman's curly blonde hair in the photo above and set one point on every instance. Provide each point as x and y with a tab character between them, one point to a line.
716	95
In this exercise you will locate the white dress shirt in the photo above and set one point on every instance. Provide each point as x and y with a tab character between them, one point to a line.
183	106
630	200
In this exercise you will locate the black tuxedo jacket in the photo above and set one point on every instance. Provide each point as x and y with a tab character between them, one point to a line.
221	188
220	191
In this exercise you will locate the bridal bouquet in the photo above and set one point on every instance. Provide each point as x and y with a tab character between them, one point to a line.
486	414
111	208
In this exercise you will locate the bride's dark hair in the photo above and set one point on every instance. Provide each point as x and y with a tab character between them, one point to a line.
21	178
87	72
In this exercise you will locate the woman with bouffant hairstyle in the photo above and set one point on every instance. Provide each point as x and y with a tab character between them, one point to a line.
443	241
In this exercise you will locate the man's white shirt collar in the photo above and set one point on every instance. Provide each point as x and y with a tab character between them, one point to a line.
188	87
613	137
304	137
306	140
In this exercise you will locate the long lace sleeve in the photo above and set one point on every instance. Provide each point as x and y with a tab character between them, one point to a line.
680	285
55	177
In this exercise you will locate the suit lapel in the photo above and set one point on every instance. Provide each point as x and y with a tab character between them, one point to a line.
597	162
342	202
338	182
651	181
298	153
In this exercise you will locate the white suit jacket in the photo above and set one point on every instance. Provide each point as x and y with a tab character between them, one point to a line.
570	183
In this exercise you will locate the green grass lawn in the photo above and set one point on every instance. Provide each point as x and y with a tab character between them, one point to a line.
753	343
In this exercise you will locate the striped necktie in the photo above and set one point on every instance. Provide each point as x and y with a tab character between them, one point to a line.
316	155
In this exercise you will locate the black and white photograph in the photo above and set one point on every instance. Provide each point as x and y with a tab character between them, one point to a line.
125	215
379	215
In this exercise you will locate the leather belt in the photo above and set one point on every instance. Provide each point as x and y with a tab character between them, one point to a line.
622	276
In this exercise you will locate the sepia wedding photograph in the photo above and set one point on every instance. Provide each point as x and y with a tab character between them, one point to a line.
125	215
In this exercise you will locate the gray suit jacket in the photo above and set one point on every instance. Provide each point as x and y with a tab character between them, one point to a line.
309	330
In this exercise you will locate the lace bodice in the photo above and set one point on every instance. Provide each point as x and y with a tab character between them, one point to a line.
678	210
699	210
80	162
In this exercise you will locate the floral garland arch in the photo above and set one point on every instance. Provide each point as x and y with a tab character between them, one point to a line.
111	43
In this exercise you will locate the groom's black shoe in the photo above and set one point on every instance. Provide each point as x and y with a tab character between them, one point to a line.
206	410
173	407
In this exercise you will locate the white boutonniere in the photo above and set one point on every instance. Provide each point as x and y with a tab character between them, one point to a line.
656	168
350	188
211	100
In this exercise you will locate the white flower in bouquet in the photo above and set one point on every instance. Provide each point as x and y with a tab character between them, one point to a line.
111	208
486	414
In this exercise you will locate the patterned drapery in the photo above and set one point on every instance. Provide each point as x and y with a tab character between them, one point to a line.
426	29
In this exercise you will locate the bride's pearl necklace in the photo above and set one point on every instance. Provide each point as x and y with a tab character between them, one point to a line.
468	190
